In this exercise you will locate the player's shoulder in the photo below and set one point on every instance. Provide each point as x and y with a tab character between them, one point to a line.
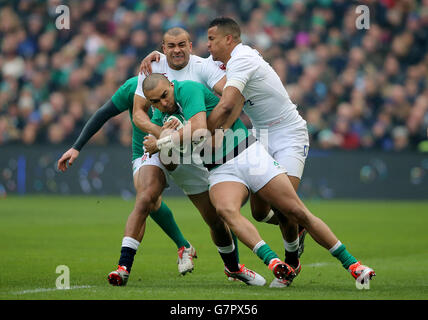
188	85
131	81
244	53
194	59
161	65
205	62
130	84
244	57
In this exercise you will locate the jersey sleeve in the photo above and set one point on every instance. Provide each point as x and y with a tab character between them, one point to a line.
156	68
139	89
123	98
239	72
192	100
212	71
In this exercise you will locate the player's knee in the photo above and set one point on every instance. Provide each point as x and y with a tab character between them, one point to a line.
295	212
227	213
145	202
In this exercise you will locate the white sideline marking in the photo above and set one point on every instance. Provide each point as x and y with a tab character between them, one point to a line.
49	289
318	264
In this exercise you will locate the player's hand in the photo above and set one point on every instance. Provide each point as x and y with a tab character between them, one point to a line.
171	124
69	156
150	145
146	64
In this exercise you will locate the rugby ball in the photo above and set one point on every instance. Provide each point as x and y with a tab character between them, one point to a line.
183	122
179	118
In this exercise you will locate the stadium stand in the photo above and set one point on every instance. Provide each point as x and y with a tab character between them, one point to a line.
357	89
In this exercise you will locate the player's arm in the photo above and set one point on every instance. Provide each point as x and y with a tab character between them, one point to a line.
146	63
92	126
213	75
198	122
227	110
218	87
141	118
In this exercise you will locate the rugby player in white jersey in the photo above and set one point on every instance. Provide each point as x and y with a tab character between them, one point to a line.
208	72
270	109
178	63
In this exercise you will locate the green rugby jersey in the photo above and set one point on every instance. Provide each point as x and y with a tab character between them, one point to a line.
123	99
191	98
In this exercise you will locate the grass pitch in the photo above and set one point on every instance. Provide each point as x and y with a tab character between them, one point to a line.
39	233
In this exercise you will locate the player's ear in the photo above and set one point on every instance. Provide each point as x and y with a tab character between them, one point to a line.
190	46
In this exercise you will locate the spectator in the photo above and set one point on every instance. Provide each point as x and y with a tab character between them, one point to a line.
357	89
400	136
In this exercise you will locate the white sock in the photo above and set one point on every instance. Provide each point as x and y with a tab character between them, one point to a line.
258	245
334	248
291	246
130	243
227	249
268	217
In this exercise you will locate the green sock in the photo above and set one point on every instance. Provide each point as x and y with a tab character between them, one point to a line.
235	241
339	252
164	218
264	252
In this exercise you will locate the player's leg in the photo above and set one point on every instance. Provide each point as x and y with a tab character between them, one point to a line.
147	199
227	197
301	231
292	236
261	210
149	182
193	180
289	147
291	152
280	193
220	232
164	218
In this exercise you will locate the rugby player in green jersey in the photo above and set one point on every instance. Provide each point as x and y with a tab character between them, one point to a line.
229	180
121	101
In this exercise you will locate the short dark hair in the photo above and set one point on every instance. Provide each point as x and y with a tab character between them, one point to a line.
228	26
152	81
175	32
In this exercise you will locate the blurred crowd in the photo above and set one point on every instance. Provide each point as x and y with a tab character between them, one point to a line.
356	88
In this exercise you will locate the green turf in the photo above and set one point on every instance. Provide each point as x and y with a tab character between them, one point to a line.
84	233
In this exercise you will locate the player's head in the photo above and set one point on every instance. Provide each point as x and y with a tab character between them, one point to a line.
223	35
176	46
160	92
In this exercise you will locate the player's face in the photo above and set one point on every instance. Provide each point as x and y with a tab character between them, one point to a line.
177	50
162	97
217	44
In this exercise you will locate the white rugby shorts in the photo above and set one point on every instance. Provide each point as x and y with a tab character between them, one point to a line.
191	178
253	167
288	146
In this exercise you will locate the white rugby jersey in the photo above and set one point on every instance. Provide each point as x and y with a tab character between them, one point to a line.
267	103
202	70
